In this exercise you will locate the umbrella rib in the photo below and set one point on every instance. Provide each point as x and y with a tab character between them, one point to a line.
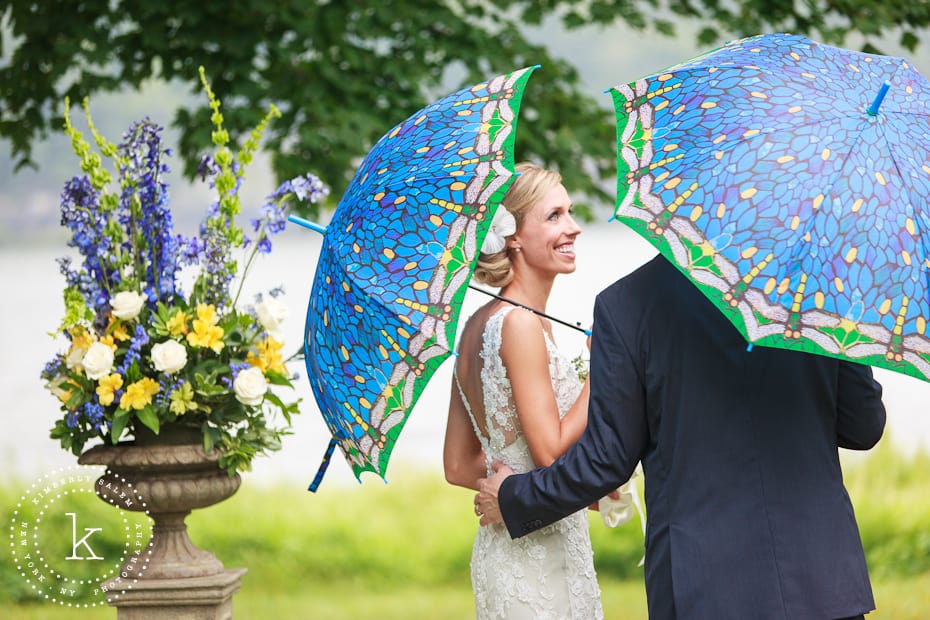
576	326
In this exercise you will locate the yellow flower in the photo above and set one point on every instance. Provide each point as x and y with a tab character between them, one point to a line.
106	388
268	357
81	339
177	324
207	314
206	333
139	394
108	340
182	399
117	330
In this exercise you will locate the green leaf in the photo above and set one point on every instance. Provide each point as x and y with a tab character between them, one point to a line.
148	417
277	378
120	420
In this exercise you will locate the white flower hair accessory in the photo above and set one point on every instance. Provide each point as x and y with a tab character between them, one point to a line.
503	225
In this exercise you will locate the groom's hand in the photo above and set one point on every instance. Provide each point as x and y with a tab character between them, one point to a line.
486	505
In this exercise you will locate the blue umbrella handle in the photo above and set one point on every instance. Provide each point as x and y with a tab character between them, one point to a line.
576	326
323	466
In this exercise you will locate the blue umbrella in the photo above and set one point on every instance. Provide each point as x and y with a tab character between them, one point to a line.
790	181
396	261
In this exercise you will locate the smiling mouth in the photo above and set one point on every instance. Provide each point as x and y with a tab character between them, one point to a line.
568	248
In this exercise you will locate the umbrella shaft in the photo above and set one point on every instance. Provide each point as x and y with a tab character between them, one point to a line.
576	326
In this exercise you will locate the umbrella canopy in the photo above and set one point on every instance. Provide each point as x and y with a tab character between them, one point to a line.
396	261
790	181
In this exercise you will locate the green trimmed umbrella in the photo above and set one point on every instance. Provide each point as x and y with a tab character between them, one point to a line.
396	261
790	181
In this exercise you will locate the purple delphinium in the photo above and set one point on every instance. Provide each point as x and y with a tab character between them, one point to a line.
213	250
81	213
93	413
168	384
273	214
139	339
214	261
235	369
309	188
144	210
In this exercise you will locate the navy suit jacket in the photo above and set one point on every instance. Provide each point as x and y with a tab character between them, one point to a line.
747	513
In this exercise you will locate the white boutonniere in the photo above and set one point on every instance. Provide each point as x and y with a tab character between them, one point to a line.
503	225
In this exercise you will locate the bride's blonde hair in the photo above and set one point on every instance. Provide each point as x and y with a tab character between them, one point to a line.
531	186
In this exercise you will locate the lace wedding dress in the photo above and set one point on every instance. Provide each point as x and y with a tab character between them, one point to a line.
548	574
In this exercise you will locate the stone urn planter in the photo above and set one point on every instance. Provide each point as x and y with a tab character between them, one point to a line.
172	479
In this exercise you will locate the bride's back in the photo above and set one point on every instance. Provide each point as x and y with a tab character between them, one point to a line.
487	390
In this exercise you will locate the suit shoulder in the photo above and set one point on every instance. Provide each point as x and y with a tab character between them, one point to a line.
642	279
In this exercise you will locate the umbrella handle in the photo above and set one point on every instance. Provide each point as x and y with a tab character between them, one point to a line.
323	466
576	326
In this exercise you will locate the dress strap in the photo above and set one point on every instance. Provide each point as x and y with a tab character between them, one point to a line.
485	445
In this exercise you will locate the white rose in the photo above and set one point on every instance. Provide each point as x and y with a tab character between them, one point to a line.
271	314
250	386
98	361
169	356
127	304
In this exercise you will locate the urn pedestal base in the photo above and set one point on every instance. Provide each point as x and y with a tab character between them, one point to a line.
179	580
189	598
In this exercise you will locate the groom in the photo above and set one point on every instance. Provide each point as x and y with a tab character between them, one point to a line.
747	513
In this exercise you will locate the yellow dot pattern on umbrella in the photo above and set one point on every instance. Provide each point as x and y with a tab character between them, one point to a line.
767	143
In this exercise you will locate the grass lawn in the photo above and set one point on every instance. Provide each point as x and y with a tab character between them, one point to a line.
907	599
380	552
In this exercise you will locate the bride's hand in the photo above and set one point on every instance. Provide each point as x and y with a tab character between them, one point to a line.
486	505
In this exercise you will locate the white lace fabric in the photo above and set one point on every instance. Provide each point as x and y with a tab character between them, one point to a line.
548	574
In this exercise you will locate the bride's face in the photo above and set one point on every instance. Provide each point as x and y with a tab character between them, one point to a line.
546	236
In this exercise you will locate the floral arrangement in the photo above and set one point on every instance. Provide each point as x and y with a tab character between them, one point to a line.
140	351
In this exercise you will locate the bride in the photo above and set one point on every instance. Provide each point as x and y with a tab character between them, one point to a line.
517	399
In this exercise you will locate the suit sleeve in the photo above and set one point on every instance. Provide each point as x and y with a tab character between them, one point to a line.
860	418
604	457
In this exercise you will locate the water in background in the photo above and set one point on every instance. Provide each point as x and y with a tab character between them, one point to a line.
31	307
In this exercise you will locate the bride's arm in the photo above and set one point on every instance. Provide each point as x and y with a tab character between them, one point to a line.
524	353
462	457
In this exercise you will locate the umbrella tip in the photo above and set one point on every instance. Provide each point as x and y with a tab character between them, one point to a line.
306	224
873	109
749	347
537	66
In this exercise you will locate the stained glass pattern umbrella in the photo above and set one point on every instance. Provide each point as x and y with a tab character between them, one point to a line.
790	181
396	260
